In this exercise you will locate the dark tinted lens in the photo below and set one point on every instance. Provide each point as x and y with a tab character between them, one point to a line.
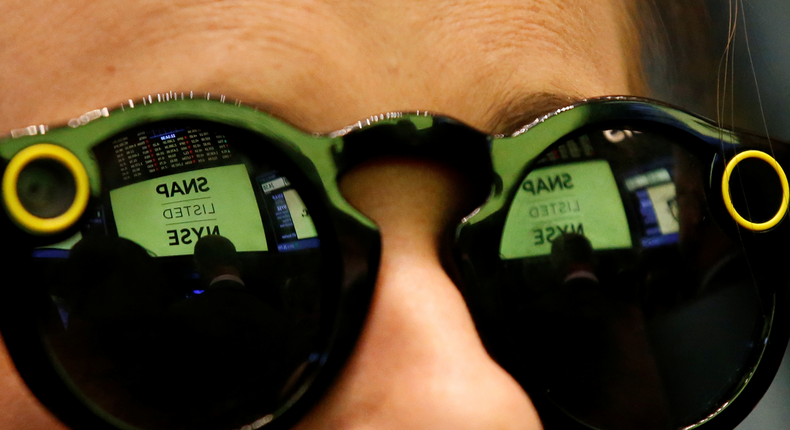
626	300
197	297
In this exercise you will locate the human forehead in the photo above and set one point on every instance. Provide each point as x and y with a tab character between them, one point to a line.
319	64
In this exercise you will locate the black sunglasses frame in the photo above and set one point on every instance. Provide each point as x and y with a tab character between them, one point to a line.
501	161
711	145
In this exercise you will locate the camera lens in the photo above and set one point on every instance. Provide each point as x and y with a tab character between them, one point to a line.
46	188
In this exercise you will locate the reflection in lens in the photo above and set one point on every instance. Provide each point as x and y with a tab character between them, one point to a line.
641	312
193	297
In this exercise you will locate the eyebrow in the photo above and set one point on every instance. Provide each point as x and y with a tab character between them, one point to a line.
524	109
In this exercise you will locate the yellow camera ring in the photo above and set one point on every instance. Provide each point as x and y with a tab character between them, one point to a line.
725	190
28	221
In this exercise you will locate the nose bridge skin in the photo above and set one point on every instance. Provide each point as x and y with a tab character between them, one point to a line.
419	362
21	410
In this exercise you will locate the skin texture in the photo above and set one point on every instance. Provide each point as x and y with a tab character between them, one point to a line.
321	65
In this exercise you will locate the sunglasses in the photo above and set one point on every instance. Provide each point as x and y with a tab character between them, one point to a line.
191	264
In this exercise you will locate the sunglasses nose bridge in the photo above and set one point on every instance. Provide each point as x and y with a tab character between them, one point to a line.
436	139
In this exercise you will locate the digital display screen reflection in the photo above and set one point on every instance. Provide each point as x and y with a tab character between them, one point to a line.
293	226
580	197
168	215
658	207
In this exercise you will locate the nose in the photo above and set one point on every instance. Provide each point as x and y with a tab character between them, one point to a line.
419	363
19	409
